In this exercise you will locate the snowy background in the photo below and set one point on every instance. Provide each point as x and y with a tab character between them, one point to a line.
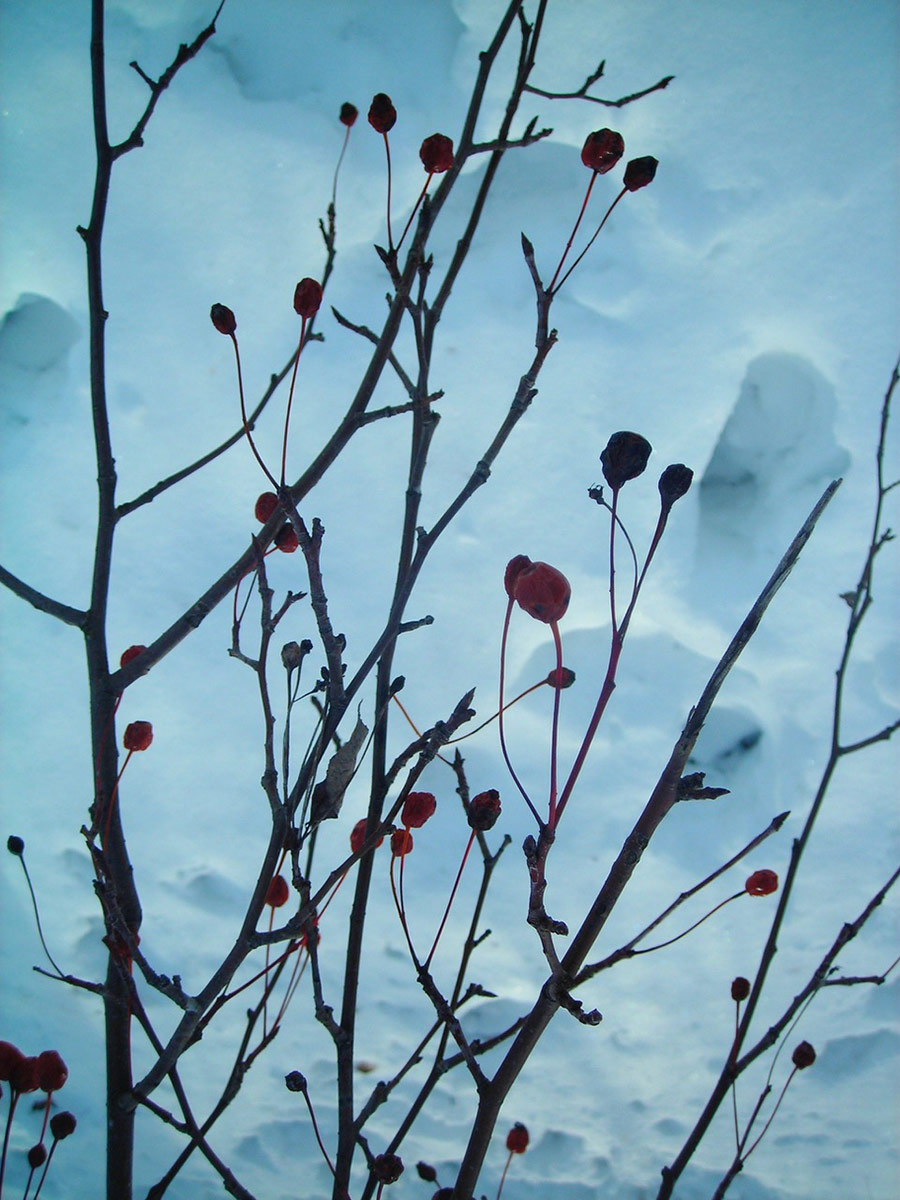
741	313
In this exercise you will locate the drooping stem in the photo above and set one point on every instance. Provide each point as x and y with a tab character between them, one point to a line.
593	239
584	204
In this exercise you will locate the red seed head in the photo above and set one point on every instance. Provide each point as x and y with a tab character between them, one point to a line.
37	1156
138	735
286	538
26	1075
484	810
602	149
543	592
761	883
436	153
307	298
417	808
358	836
382	114
349	113
740	988
624	458
278	892
513	568
266	504
52	1071
10	1057
223	318
131	653
674	483
401	842
62	1125
517	1139
387	1168
640	172
804	1056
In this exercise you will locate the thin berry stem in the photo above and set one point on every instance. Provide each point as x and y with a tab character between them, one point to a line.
503	748
437	936
53	1146
246	423
37	915
509	1159
415	210
591	242
398	902
13	1100
584	203
554	734
338	167
387	151
112	800
691	928
765	1127
287	415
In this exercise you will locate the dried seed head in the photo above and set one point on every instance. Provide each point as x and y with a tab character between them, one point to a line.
436	153
15	845
517	1139
138	735
25	1075
561	677
266	503
349	113
401	842
307	298
624	458
417	808
52	1071
804	1056
602	149
674	483
382	114
484	810
740	988
387	1168
223	318
358	836
295	1081
543	592
640	172
426	1171
761	883
10	1057
286	538
37	1156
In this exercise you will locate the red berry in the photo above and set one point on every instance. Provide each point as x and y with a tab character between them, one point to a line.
517	1139
223	318
401	842
543	592
602	149
762	883
804	1056
436	153
484	810
740	988
382	114
417	808
561	677
286	538
62	1124
278	892
349	113
265	506
387	1168
10	1057
52	1071
138	735
130	654
640	172
26	1075
358	836
307	297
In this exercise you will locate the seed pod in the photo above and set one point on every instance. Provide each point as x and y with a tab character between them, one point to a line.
266	503
387	1168
417	808
517	1139
278	892
52	1071
640	172
624	458
436	153
674	483
62	1125
602	149
382	114
426	1171
761	883
223	318
349	113
295	1081
10	1057
804	1056
37	1156
15	845
740	988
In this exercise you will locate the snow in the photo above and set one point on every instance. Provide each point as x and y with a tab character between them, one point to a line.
741	313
